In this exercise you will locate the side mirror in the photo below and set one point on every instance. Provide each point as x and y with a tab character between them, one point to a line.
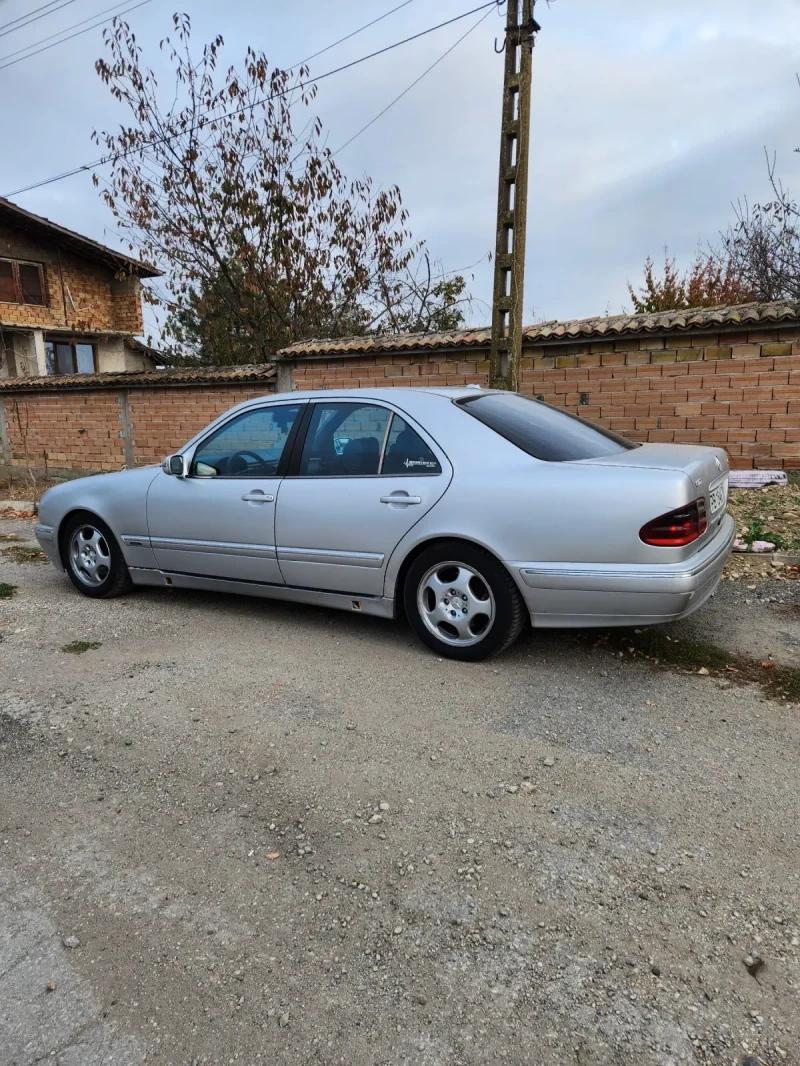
175	465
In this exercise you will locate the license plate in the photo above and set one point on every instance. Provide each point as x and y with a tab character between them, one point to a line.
718	497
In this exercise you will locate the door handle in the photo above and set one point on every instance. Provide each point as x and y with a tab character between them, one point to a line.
258	497
401	498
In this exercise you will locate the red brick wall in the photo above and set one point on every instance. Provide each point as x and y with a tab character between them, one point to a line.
737	390
84	430
102	303
162	420
740	391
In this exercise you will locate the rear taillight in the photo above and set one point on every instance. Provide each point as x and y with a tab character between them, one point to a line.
677	528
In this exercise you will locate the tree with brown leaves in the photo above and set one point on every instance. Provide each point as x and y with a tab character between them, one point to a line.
712	280
262	239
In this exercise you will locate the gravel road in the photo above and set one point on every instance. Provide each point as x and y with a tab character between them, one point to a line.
247	832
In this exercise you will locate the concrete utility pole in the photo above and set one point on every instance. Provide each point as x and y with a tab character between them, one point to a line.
512	202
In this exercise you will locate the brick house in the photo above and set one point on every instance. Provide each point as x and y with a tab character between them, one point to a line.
67	304
726	376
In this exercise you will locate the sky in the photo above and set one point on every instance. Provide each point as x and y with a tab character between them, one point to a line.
649	118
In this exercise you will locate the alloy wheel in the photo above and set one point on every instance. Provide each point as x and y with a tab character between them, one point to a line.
456	604
89	555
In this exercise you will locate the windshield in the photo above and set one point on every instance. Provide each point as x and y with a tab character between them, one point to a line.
543	431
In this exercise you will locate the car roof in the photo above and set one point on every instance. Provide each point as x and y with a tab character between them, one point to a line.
450	393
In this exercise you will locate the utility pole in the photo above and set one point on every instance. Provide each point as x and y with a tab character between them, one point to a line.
512	199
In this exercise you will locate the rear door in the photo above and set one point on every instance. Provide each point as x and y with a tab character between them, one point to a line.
364	477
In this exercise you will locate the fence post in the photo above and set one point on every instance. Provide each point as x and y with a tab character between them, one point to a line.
283	375
126	431
5	446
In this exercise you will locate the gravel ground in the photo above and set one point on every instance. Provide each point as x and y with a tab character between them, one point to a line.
247	832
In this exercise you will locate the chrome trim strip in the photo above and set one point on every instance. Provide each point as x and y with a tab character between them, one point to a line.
213	547
373	560
44	532
135	541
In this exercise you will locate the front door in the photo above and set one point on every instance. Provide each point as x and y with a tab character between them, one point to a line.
366	476
220	520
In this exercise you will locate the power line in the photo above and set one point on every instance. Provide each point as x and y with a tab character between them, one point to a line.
22	18
355	33
62	40
75	25
28	20
256	103
415	82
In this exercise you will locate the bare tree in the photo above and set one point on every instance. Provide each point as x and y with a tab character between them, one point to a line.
763	244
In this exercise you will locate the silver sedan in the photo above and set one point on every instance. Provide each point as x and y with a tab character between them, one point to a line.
469	510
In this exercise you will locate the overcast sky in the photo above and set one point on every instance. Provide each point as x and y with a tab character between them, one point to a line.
649	118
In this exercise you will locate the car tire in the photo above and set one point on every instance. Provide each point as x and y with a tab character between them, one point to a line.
462	602
92	558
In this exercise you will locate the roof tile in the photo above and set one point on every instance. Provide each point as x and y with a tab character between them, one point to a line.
141	378
576	329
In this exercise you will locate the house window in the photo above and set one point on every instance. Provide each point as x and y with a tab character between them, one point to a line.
21	283
69	357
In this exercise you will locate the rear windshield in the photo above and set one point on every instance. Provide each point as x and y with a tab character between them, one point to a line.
541	430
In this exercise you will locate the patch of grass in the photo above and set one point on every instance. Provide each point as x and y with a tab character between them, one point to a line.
771	514
78	647
7	591
20	553
758	531
779	682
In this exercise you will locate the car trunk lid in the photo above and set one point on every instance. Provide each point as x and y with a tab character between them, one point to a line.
705	468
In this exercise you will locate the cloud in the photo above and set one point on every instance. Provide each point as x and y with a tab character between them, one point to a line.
648	119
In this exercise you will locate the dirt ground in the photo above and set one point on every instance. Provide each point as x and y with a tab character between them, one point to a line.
771	514
235	831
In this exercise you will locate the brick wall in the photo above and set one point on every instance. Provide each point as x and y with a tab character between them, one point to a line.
162	420
102	302
738	390
104	429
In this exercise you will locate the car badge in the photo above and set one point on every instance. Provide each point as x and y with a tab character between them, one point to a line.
699	482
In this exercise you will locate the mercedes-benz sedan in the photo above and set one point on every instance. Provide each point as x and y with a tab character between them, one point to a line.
468	509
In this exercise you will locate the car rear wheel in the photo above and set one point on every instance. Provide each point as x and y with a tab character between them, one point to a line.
93	560
462	602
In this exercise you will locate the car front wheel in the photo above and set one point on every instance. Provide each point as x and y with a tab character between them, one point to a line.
462	602
93	560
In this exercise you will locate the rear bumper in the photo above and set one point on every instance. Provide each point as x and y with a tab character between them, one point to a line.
588	594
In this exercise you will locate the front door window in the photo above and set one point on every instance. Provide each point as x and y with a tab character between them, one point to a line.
251	445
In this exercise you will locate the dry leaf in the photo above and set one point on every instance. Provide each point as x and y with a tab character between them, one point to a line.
768	665
703	671
732	670
274	855
649	703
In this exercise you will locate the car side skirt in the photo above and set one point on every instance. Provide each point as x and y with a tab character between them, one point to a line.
380	606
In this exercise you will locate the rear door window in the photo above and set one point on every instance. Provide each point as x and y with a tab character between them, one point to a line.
407	452
345	439
543	431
